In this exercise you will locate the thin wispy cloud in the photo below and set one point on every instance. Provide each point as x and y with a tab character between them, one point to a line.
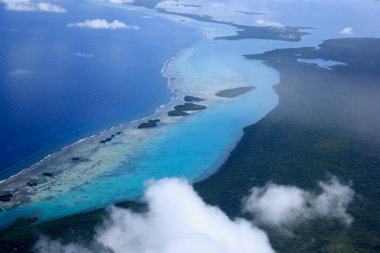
103	24
284	206
174	5
28	5
83	55
20	72
177	220
346	31
262	22
121	1
217	5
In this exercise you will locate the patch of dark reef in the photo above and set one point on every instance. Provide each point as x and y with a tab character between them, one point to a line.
327	122
192	99
180	110
32	183
150	124
189	107
79	159
47	174
231	93
176	113
6	197
284	33
109	138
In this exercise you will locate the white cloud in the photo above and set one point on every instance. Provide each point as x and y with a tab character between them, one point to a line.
177	221
147	17
121	1
103	24
83	55
333	201
168	4
346	31
262	22
50	7
28	5
175	6
21	71
284	206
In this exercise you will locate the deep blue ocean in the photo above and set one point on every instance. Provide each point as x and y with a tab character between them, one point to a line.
51	97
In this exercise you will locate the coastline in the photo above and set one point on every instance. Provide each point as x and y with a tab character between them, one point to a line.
160	111
65	159
69	157
227	186
302	142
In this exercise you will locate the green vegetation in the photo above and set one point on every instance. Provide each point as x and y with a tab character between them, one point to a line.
192	99
189	107
230	93
327	122
151	123
176	113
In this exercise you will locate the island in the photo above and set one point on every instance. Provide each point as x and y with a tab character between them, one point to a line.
176	113
284	33
189	107
230	93
151	123
192	99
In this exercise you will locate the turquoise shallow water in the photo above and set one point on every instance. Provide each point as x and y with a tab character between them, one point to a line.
191	147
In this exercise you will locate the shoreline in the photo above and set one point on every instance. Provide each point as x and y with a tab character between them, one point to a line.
65	160
17	184
159	111
124	126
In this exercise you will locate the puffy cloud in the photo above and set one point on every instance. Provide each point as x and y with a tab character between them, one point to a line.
346	31
50	7
262	22
177	220
103	24
333	201
284	206
21	71
28	5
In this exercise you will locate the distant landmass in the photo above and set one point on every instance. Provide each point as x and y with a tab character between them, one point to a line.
327	122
